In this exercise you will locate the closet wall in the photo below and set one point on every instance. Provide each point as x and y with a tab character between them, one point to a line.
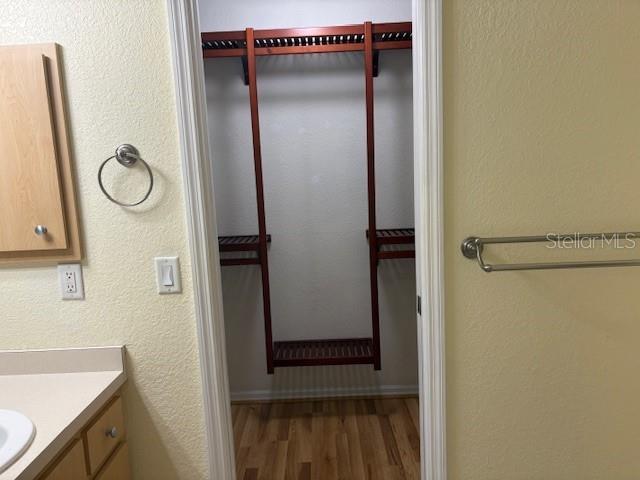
312	118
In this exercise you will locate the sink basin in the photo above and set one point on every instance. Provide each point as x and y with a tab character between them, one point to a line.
16	435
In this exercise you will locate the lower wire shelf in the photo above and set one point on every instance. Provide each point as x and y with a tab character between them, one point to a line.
299	353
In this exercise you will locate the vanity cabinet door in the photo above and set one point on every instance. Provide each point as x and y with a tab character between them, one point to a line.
105	434
31	205
117	468
70	466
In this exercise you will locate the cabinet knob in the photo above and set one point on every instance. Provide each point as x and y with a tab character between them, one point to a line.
40	230
112	432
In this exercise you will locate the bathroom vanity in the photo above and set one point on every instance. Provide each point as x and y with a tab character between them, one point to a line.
72	397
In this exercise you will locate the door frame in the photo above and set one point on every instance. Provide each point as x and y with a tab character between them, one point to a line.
429	225
188	71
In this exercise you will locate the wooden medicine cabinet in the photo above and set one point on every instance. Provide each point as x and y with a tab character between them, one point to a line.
38	211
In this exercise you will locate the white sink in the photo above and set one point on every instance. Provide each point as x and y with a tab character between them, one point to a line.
16	435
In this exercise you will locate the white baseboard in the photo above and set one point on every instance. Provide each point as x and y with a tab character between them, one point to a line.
379	391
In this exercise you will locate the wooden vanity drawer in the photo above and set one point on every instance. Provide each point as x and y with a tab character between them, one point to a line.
70	466
104	435
117	468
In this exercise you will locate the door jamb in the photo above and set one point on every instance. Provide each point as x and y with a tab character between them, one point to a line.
429	225
188	69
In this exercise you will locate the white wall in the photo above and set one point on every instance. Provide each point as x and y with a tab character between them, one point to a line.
312	119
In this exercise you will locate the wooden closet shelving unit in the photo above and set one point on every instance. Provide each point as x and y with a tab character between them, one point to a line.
369	38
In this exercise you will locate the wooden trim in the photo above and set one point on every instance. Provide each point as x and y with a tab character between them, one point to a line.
428	191
371	193
232	52
262	222
302	49
355	29
217	36
347	47
392	45
392	27
63	145
191	104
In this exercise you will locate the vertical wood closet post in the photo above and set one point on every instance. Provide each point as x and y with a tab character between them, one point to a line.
371	193
262	223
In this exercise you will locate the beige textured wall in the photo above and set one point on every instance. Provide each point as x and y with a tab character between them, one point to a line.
542	108
120	88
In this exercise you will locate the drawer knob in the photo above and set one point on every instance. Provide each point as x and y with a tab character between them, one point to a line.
40	230
112	432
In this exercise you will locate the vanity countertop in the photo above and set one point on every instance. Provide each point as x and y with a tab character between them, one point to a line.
59	390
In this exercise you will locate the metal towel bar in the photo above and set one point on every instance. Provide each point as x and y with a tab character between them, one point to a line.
472	248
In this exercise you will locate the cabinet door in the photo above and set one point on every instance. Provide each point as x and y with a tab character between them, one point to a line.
100	443
117	468
70	466
30	192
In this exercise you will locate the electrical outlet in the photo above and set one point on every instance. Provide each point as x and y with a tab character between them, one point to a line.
70	279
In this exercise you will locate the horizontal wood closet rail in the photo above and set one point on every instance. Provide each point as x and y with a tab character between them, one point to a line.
291	41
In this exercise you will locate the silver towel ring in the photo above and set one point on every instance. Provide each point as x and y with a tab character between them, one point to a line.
126	155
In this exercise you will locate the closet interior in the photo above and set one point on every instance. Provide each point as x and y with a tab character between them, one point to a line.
372	39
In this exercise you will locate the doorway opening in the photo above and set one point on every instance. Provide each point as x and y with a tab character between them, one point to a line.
321	386
311	138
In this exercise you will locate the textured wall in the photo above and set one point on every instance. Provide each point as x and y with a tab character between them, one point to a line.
541	109
120	89
312	118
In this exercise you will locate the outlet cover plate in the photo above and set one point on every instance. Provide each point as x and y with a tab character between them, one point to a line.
70	280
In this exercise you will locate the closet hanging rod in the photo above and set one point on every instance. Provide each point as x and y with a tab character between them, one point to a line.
472	248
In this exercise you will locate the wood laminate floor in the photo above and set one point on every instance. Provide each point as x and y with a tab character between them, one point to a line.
328	439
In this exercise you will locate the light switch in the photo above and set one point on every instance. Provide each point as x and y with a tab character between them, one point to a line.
168	275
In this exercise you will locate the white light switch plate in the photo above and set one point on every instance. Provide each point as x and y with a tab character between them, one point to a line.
70	280
168	275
